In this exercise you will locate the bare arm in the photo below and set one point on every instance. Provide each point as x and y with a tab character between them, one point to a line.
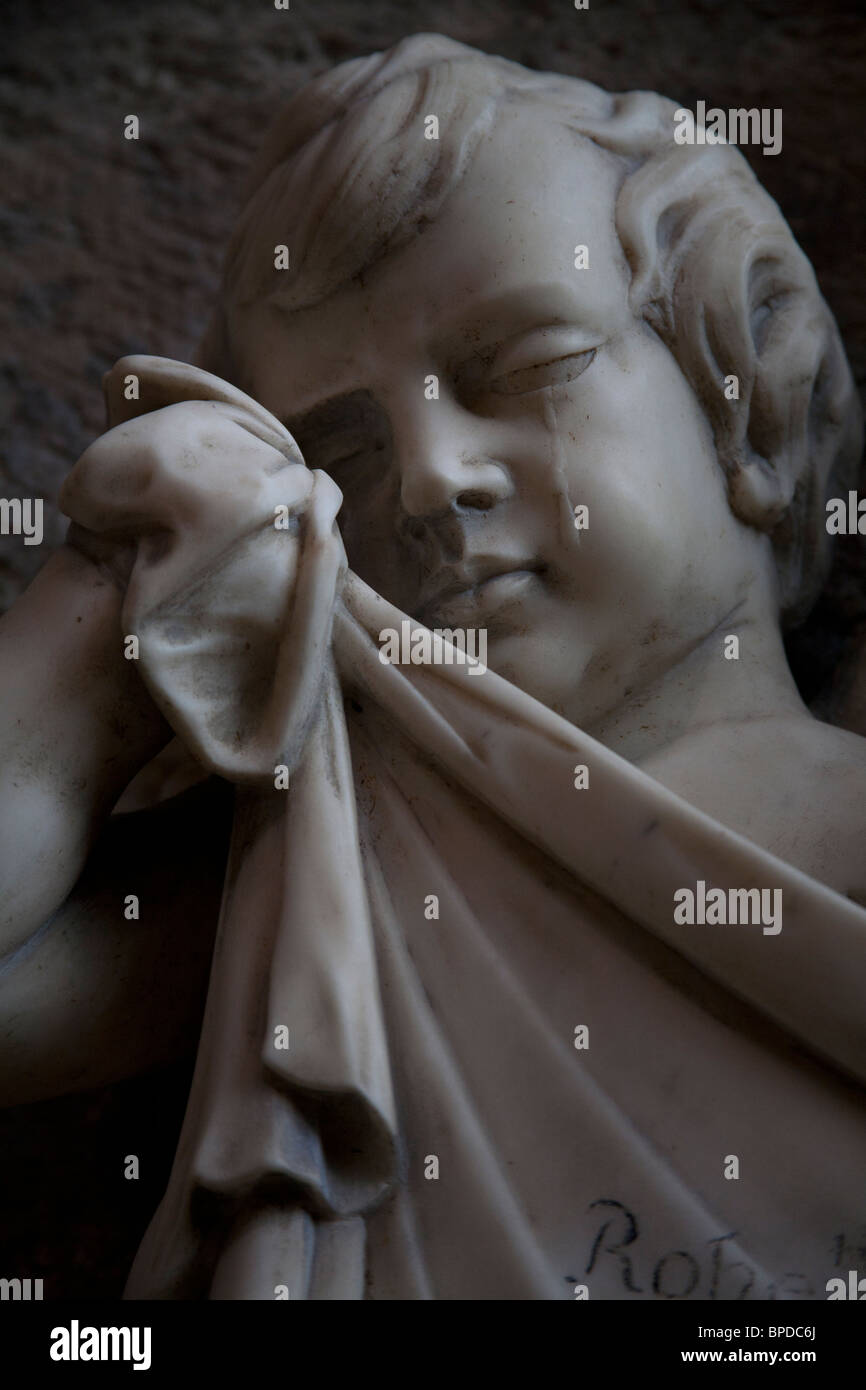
76	723
95	996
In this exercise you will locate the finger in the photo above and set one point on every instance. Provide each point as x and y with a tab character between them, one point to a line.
138	384
184	465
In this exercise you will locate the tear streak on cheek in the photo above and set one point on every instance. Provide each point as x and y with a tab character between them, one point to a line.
567	535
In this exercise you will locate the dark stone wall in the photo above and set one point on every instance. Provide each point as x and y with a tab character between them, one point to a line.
113	246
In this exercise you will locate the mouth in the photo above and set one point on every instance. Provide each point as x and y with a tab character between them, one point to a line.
465	595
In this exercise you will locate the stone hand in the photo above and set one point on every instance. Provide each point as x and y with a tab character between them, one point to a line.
198	503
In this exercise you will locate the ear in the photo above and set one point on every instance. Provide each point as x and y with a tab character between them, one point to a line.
760	492
799	436
786	343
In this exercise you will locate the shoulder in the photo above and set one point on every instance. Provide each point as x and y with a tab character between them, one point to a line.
826	781
793	785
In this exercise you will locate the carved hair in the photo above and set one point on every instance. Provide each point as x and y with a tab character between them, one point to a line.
345	177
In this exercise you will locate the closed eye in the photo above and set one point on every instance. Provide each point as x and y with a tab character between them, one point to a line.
343	431
556	372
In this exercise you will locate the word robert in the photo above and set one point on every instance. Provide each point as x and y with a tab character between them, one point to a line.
22	517
443	646
736	907
102	1344
719	1273
734	127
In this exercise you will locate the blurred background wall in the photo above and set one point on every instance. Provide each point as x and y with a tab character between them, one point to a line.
112	246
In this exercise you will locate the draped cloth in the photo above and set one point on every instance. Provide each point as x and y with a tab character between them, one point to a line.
394	1097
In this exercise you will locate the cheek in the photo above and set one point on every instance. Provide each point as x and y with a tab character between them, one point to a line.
636	450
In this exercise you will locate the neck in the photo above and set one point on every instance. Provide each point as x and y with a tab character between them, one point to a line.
704	690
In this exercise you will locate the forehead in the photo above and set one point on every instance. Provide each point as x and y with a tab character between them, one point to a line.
500	256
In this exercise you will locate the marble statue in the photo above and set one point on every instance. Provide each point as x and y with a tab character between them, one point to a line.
533	977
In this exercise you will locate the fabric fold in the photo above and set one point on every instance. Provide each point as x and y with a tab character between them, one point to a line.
337	1057
498	741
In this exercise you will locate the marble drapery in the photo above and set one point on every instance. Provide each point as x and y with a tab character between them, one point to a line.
410	1039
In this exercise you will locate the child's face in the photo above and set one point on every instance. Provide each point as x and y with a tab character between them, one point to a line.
550	395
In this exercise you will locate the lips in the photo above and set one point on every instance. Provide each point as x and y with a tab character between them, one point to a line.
468	585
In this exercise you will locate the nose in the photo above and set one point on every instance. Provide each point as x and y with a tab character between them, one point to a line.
445	461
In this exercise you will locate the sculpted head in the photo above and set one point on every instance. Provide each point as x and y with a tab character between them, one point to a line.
558	386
